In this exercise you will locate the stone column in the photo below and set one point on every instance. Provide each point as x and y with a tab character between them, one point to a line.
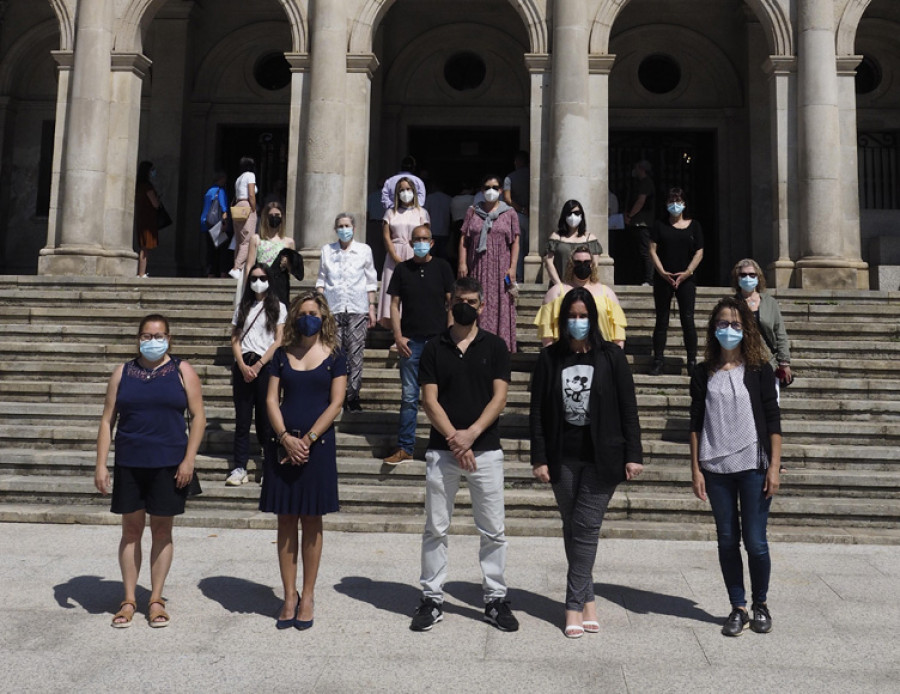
570	130
360	69
538	65
849	164
598	203
824	263
80	246
324	167
782	71
64	60
299	63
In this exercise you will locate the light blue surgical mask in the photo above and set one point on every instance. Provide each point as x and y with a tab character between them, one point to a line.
422	248
675	208
154	349
579	327
345	233
729	338
748	284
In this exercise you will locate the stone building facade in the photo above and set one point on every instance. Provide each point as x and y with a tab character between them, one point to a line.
778	117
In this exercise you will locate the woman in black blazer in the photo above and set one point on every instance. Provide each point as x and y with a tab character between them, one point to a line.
585	440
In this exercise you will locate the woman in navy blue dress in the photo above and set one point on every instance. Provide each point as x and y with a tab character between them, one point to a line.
306	393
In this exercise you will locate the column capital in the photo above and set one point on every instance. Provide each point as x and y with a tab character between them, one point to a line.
136	63
64	59
847	64
537	62
780	65
299	62
362	62
600	63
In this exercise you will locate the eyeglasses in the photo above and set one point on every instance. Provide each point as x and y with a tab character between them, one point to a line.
146	337
258	277
492	187
724	325
751	275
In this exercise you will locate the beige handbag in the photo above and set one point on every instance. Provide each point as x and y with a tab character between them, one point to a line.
239	216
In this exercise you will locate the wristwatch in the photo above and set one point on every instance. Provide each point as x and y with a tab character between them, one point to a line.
313	436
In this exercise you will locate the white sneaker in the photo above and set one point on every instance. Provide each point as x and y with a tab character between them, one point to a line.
237	477
234	273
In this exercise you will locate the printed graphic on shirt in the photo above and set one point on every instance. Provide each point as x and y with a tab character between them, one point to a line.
576	385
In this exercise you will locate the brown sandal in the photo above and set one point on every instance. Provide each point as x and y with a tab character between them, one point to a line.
159	618
121	614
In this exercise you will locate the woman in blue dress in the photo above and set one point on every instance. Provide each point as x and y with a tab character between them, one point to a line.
306	392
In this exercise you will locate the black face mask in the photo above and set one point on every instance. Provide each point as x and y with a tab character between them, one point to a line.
274	221
582	270
464	314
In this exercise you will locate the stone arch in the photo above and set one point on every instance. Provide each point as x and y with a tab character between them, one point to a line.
362	28
779	33
64	18
139	13
32	44
848	24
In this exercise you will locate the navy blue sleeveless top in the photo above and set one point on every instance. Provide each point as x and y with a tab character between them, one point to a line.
151	430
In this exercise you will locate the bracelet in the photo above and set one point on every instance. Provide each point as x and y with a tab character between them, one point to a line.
282	435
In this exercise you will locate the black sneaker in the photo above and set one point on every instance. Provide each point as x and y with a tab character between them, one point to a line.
427	615
736	623
762	620
657	368
497	612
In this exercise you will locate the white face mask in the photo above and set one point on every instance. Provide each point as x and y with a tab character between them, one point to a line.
491	195
259	286
406	196
573	220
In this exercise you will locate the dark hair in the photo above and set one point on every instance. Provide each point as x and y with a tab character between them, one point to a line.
218	175
468	285
594	338
491	177
153	318
247	164
408	163
562	228
752	349
522	156
270	303
143	172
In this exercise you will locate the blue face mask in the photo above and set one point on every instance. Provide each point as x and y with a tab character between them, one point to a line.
422	248
729	338
345	234
579	328
308	325
748	284
675	208
154	349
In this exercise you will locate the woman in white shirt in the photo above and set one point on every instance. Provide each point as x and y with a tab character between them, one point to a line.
348	280
245	196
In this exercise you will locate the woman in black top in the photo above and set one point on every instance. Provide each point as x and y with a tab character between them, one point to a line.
585	440
676	248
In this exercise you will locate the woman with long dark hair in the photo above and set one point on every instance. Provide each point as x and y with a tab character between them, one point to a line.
736	454
146	222
571	232
256	331
585	440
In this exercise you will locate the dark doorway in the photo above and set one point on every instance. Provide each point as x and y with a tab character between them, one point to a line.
268	146
455	156
685	160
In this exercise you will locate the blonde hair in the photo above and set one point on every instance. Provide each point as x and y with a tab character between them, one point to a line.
265	231
736	270
415	200
328	334
569	272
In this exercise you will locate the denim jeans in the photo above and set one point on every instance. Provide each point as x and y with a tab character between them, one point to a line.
409	399
741	508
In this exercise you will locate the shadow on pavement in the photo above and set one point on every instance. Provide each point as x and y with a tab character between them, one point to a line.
241	596
648	602
95	595
399	598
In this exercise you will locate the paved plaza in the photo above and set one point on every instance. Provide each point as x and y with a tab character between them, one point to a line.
835	611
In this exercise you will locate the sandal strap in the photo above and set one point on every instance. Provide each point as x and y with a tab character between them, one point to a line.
127	602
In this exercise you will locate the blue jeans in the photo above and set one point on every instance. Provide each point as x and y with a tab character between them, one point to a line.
409	399
741	508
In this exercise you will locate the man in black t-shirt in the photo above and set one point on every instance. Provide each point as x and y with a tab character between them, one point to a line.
639	216
422	285
464	375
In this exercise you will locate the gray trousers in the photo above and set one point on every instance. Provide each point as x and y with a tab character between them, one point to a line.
442	476
582	500
351	337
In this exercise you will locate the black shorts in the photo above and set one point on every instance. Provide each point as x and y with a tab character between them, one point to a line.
147	489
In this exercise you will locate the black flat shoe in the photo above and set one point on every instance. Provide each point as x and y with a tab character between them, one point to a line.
290	621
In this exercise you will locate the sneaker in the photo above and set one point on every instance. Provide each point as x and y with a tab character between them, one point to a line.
691	365
657	368
352	405
736	623
234	273
427	615
762	620
398	457
237	477
497	612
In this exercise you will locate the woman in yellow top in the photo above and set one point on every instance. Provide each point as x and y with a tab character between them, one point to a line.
582	271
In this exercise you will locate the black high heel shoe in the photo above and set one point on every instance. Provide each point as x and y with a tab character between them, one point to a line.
289	622
302	624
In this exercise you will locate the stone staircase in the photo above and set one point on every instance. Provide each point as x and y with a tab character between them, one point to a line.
61	337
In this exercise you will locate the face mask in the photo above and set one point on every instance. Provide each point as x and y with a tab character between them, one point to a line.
491	195
579	328
581	271
154	349
259	286
308	325
422	248
406	196
729	338
573	220
748	284
345	233
464	314
274	221
675	208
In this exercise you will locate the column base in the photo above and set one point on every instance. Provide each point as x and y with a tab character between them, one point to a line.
532	267
311	258
607	269
87	260
831	273
780	274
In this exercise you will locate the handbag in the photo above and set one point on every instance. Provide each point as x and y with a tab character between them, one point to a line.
163	219
194	488
239	216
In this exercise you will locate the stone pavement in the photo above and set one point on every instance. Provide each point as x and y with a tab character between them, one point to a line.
835	610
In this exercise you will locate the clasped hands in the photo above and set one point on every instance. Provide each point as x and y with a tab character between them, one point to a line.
460	442
676	278
297	449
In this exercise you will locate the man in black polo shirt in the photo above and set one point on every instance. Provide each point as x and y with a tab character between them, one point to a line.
422	285
464	375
